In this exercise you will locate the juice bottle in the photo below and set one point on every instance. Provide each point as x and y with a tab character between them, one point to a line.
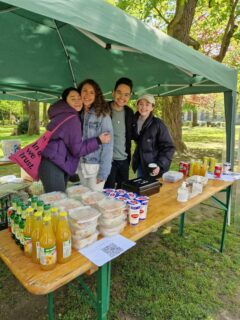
192	162
47	210
63	237
34	203
54	214
40	206
212	164
27	233
48	252
35	235
21	235
196	168
12	217
17	221
203	169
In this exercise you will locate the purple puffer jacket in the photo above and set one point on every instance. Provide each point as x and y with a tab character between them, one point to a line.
66	145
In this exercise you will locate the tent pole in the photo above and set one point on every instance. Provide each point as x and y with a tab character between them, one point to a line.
230	115
67	55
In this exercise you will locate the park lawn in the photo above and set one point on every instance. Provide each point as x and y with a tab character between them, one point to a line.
164	277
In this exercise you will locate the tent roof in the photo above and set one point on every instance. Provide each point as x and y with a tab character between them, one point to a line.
102	43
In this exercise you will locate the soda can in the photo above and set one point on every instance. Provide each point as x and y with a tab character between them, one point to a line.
226	167
217	171
184	168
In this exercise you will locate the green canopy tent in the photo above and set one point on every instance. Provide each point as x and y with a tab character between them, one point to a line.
49	45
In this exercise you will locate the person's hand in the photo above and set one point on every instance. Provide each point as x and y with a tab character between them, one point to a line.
105	137
156	171
99	181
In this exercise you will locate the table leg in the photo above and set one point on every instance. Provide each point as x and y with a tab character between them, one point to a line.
103	291
50	306
228	197
181	224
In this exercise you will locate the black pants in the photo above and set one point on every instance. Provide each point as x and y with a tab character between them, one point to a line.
119	173
53	178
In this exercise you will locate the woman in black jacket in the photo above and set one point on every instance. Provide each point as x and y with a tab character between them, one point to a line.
153	141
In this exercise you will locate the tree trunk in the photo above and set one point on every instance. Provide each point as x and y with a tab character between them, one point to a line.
173	106
45	115
179	28
25	109
194	118
33	124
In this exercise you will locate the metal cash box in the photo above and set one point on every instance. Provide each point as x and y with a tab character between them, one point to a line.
142	186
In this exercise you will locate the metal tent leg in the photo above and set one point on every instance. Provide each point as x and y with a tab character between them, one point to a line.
103	291
50	306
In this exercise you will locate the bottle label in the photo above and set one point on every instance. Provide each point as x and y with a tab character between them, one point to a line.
67	248
16	231
48	256
27	244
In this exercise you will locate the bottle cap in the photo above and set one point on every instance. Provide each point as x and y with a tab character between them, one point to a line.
47	207
47	218
54	209
63	214
38	214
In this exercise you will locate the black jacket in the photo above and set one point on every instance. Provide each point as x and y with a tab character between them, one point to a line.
153	144
130	129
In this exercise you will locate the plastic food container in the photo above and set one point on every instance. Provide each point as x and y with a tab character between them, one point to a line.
82	218
76	191
108	232
52	196
67	204
111	208
172	176
83	232
111	222
81	243
91	198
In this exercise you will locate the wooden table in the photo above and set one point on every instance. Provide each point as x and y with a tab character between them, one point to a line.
163	207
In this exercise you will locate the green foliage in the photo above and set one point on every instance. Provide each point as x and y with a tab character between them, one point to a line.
22	127
189	107
10	107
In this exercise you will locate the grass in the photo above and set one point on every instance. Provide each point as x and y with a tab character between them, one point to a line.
164	277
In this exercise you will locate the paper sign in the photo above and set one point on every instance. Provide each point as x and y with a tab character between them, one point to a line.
232	176
107	249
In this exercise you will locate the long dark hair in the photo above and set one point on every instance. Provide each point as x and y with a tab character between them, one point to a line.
67	91
100	105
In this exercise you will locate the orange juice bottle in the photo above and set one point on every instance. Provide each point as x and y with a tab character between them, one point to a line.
192	163
196	168
54	215
48	252
203	169
27	233
36	232
63	237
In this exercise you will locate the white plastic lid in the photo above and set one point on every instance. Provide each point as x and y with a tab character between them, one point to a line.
84	214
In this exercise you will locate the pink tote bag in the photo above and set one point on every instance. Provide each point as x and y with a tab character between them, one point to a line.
29	157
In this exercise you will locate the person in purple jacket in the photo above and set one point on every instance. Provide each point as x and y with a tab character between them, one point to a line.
61	156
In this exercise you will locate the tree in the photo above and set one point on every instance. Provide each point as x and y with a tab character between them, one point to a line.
195	23
45	115
33	124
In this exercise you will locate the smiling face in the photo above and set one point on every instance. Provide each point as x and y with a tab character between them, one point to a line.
88	95
121	95
144	108
74	100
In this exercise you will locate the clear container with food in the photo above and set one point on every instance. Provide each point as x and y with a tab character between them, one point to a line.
111	222
82	218
111	231
52	196
81	243
111	208
92	197
84	232
75	192
67	204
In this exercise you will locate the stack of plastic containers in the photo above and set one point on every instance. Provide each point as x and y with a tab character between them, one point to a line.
112	220
52	196
75	192
83	224
67	204
92	197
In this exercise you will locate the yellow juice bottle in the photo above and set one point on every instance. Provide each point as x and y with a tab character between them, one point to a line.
203	169
35	234
196	168
63	238
54	215
27	233
192	162
48	252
